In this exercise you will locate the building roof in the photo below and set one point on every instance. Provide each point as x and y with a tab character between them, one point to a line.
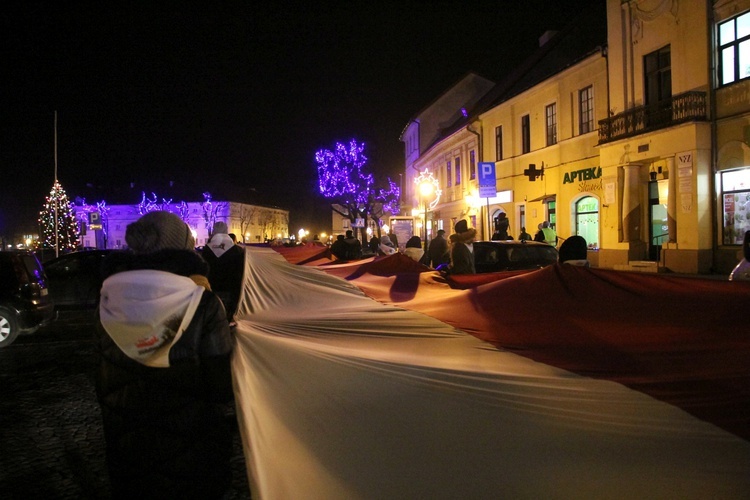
585	35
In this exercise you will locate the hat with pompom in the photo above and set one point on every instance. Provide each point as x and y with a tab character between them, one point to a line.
159	231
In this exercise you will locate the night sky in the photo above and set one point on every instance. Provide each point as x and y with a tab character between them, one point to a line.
231	97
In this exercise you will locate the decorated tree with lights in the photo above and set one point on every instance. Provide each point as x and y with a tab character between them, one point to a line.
343	180
58	213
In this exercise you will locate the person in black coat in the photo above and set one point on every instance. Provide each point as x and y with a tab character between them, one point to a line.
164	381
226	267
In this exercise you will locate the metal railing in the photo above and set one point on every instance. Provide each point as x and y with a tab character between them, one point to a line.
690	106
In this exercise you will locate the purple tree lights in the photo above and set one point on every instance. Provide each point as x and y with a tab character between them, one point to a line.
342	178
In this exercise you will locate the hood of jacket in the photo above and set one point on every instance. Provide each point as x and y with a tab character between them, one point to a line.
146	311
464	237
147	301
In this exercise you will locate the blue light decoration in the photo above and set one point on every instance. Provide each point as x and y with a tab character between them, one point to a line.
210	211
341	175
390	198
152	205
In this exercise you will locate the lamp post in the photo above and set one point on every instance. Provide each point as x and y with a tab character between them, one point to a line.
429	191
425	189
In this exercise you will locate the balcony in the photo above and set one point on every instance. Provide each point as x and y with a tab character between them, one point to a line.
687	107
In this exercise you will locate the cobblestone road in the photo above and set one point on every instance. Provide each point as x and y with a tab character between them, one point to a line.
51	441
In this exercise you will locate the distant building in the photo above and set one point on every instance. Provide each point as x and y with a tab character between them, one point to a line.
251	223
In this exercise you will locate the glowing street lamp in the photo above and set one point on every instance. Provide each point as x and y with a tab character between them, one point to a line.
429	192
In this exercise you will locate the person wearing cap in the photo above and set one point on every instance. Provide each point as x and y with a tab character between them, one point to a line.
462	249
414	248
226	266
438	249
574	251
164	380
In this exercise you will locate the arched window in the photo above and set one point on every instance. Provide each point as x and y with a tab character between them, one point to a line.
587	220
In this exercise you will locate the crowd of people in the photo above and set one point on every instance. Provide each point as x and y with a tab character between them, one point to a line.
165	339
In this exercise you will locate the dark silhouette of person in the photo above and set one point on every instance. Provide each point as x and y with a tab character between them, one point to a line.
574	251
501	227
164	377
353	246
226	262
438	249
462	250
338	248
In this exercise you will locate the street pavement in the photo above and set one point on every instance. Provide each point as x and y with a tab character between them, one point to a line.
51	439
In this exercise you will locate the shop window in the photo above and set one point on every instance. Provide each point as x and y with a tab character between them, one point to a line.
552	214
587	220
735	195
734	49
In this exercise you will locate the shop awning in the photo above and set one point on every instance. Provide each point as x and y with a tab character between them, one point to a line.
545	198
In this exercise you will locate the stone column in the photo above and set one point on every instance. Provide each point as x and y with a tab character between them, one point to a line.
631	203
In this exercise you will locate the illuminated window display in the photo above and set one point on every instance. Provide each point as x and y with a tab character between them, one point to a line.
735	196
587	220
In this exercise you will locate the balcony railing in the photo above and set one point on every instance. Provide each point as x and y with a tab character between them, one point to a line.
690	106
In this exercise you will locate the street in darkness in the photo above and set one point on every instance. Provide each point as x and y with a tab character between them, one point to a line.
51	438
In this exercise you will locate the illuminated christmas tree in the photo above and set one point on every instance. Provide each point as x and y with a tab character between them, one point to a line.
66	235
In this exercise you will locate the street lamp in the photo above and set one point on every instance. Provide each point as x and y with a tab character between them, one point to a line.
429	191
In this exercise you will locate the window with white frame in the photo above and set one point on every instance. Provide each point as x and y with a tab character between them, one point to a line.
734	49
586	110
550	113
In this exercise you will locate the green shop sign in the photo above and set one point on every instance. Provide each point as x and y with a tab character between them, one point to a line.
585	174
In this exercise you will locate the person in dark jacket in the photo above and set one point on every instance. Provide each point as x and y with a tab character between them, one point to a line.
353	246
501	227
164	381
462	249
438	250
338	249
226	267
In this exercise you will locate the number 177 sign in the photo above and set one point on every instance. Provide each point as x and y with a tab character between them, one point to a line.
487	180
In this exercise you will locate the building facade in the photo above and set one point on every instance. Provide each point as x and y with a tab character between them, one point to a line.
251	223
638	143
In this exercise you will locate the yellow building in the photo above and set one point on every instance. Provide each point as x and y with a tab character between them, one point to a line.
630	127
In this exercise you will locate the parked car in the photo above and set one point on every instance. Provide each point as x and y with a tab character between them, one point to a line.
512	255
25	303
75	279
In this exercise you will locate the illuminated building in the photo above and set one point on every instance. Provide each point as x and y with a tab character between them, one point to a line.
629	127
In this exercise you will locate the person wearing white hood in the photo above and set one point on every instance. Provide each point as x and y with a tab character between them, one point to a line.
226	265
164	380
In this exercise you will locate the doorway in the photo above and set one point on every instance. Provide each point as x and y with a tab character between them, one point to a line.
658	229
